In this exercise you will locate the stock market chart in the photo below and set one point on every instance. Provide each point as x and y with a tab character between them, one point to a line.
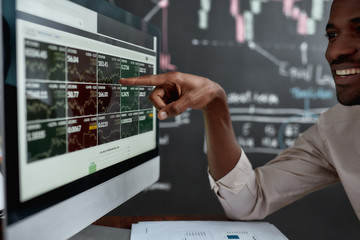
74	100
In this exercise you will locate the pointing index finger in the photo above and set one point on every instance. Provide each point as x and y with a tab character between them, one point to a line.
150	80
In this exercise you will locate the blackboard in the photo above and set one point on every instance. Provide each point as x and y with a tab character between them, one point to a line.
269	57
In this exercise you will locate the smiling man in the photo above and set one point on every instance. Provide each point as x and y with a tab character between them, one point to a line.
326	153
343	52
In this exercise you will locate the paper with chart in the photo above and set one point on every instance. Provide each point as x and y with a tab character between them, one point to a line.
205	230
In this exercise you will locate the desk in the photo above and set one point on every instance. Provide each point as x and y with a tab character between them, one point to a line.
118	227
126	221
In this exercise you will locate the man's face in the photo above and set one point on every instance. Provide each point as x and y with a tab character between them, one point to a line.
343	51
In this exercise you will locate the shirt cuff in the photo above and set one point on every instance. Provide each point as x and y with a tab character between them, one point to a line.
236	179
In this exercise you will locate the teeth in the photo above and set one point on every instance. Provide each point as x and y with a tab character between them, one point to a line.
350	71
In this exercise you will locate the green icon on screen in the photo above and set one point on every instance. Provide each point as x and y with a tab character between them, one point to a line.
92	168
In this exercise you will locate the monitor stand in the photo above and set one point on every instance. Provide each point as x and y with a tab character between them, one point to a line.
95	232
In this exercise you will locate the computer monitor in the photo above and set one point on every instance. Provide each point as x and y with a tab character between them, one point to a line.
76	143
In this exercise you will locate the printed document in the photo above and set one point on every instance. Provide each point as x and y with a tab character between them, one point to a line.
205	230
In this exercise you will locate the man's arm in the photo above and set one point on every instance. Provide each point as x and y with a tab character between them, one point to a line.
175	92
244	193
223	150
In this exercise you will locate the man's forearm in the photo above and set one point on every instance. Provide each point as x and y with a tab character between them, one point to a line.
223	150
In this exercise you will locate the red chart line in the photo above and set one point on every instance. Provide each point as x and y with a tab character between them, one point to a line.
289	10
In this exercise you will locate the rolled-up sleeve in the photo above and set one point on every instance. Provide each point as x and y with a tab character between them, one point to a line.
237	187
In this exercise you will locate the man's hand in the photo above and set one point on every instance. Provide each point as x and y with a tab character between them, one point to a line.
175	92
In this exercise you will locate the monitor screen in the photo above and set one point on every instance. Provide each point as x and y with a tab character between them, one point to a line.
69	126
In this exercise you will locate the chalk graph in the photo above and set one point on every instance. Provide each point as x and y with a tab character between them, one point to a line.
165	57
244	19
253	110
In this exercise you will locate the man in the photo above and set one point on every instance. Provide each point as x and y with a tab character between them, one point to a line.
327	152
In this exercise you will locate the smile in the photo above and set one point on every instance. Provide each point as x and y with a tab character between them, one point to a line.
346	72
